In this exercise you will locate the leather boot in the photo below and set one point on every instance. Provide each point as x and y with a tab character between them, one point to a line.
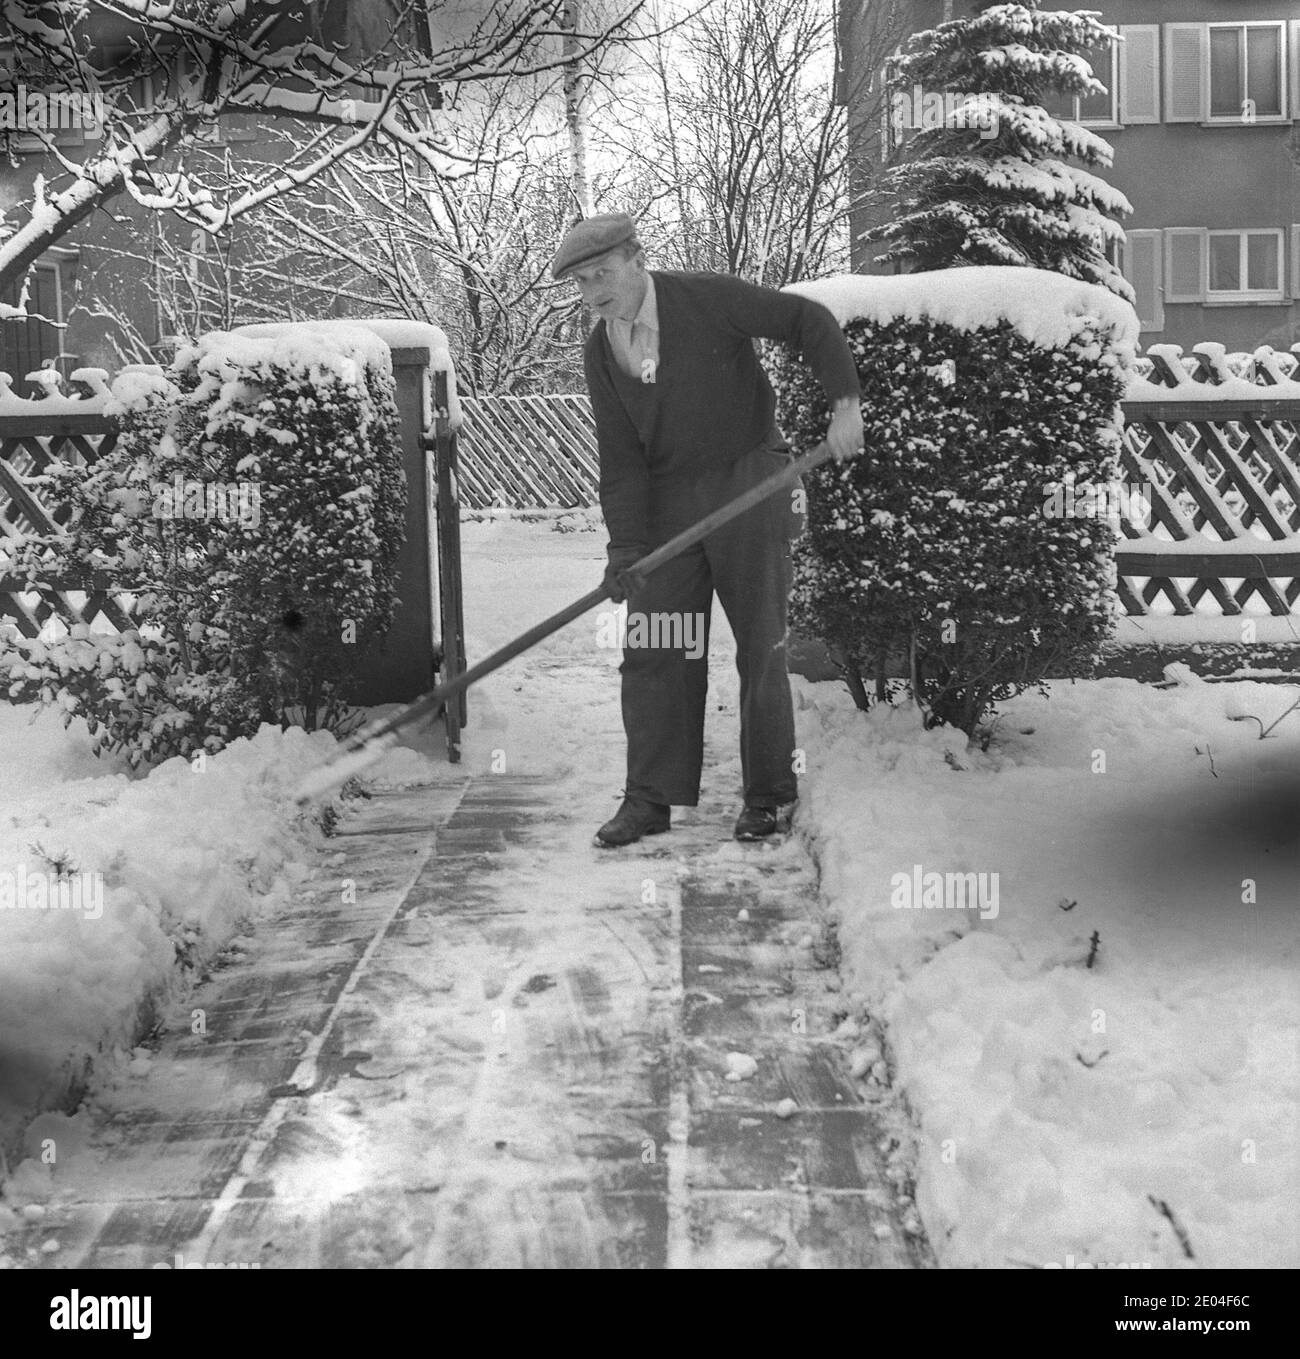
754	823
635	818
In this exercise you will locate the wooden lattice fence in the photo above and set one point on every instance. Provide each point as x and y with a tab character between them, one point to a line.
34	436
1214	440
527	452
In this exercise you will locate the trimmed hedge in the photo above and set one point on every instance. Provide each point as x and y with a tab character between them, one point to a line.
256	498
934	547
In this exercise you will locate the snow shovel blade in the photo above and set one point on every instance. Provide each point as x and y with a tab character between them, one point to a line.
374	741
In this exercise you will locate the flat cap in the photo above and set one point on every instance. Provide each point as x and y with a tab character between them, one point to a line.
591	237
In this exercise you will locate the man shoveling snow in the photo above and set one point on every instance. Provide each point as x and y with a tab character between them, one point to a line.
685	422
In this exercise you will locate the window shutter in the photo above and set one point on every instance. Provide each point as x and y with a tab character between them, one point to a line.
1185	95
1139	73
1186	256
1142	257
1293	68
1293	273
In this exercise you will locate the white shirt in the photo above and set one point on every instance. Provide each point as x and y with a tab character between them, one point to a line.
636	342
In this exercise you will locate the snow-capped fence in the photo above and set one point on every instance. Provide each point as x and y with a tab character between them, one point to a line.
1213	437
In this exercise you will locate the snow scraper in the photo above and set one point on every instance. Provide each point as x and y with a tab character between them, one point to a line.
373	741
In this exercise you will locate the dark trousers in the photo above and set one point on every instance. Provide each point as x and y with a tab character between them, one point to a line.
747	562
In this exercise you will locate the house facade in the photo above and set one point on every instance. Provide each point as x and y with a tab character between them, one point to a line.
119	286
1203	112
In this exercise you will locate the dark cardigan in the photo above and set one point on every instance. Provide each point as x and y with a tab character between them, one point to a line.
711	401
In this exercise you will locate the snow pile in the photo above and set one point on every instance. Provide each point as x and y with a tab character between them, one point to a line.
165	868
1048	309
392	332
1082	946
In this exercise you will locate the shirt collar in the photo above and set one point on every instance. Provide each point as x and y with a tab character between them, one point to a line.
647	314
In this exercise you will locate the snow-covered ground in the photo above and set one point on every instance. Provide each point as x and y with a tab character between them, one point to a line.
152	876
1065	1113
1033	1147
112	887
1060	1104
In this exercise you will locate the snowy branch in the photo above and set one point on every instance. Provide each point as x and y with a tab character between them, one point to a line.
256	58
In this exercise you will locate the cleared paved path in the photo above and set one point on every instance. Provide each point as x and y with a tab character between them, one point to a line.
483	1043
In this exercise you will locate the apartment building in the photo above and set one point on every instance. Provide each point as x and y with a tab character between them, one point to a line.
1203	111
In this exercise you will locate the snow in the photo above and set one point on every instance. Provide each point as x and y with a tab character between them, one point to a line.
1173	630
188	857
1253	540
1053	1097
137	387
983	1018
740	1067
330	777
1048	309
334	346
1034	127
1052	1100
1231	374
52	401
394	332
1231	389
180	858
1049	181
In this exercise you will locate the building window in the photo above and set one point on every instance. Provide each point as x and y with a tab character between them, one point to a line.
1247	71
1095	110
1245	266
1224	75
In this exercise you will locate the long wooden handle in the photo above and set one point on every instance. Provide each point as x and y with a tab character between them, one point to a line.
787	476
436	698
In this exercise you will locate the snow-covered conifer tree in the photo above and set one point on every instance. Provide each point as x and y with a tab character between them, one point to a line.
993	183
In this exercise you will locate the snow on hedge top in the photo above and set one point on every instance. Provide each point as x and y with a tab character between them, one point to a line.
392	332
332	346
1046	308
137	387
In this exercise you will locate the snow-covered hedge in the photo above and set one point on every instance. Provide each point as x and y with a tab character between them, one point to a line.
984	391
256	497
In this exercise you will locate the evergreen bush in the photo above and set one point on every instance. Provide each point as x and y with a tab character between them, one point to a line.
941	548
255	499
